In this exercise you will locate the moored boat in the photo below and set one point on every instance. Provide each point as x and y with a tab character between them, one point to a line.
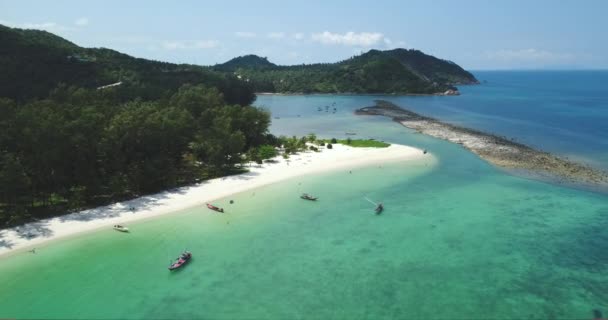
214	208
181	260
120	228
306	196
379	208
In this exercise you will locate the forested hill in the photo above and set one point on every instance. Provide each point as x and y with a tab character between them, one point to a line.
397	71
250	61
35	62
66	144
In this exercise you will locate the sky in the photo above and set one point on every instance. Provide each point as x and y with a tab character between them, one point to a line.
476	34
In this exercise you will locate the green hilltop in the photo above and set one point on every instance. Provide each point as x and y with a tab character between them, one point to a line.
397	71
34	62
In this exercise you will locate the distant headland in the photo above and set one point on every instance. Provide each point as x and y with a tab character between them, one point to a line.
397	71
52	60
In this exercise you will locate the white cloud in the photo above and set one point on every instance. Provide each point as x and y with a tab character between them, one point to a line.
189	45
528	55
245	34
363	39
276	35
81	22
298	36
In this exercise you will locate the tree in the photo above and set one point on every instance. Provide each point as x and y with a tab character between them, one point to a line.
302	143
282	141
80	147
144	140
197	99
267	152
7	123
312	137
252	122
14	182
51	60
254	155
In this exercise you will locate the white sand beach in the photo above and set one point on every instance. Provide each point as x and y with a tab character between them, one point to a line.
340	157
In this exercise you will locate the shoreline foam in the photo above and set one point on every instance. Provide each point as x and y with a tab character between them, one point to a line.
16	239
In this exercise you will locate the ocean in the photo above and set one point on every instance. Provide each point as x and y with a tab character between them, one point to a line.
458	239
563	112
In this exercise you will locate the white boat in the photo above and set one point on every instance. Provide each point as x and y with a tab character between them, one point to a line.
120	228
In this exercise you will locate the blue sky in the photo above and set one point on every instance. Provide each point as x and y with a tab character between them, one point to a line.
508	34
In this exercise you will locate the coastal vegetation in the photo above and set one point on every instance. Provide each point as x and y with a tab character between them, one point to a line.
359	143
83	127
397	71
83	147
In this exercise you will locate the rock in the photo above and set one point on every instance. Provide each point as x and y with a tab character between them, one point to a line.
451	92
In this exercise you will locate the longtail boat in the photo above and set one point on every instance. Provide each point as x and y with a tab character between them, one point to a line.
214	208
379	208
120	228
181	260
306	196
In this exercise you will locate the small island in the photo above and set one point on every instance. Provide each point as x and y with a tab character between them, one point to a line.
500	151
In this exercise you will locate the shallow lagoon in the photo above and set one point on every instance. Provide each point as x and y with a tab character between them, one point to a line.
459	239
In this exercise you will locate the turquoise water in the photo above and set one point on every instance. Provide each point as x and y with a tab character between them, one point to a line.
459	239
564	112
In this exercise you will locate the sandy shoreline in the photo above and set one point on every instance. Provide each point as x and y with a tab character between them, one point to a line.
340	157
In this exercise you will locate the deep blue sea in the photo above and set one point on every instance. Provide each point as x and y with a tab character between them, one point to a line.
565	112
